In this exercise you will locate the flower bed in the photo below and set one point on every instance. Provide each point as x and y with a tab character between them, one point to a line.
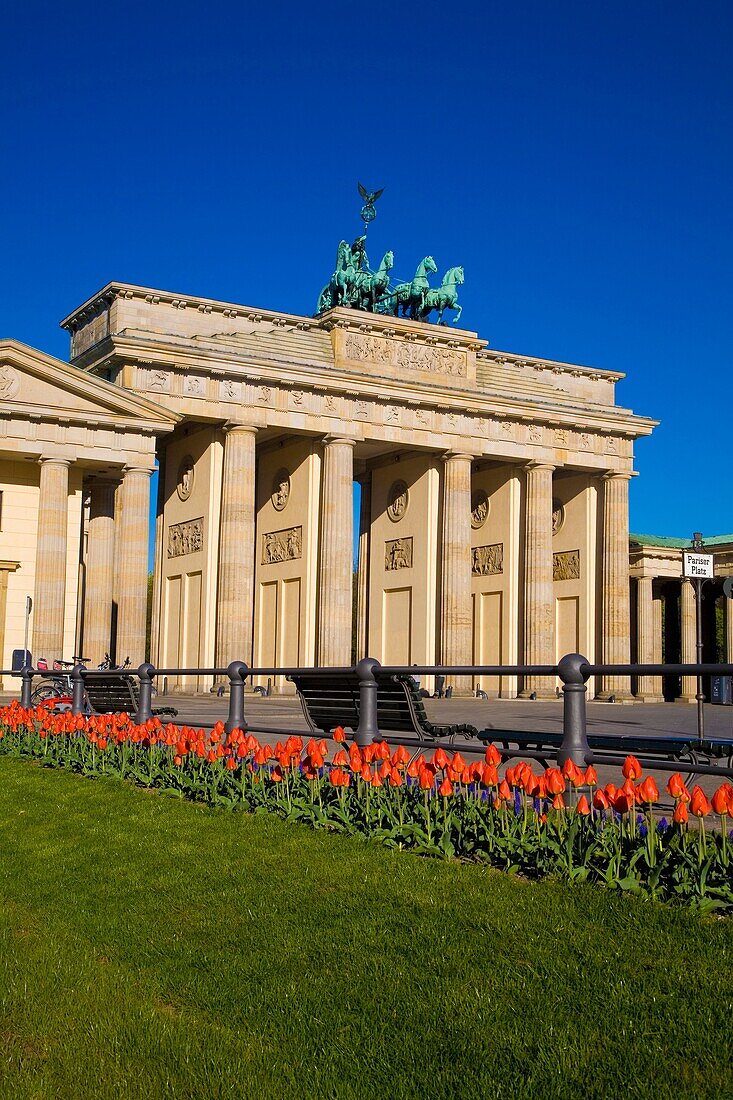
560	822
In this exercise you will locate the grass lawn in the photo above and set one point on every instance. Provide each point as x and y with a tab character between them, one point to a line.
154	948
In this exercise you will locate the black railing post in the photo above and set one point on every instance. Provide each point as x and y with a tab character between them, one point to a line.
572	671
77	689
368	727
237	671
26	686
145	698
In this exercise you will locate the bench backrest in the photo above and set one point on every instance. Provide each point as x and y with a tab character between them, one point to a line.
334	701
111	694
328	702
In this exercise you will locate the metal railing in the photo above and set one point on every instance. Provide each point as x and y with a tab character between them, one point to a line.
573	670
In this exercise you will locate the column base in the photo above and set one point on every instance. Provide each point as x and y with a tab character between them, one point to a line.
614	697
534	695
648	697
686	700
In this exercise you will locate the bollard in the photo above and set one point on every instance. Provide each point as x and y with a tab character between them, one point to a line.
368	727
237	671
26	686
145	698
77	690
574	736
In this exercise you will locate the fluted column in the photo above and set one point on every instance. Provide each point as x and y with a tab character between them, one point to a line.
688	635
362	578
132	559
539	597
649	688
335	573
51	550
456	620
616	611
729	632
99	573
235	594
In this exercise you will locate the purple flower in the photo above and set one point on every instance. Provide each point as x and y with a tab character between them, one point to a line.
662	825
643	831
517	802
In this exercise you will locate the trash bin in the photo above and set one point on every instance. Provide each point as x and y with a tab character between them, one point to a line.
721	690
18	659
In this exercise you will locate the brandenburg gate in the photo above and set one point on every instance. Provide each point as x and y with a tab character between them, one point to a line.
493	523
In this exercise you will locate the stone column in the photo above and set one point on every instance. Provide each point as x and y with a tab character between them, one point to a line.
362	579
688	635
51	549
729	631
658	605
132	559
235	593
649	688
616	611
99	573
455	628
158	552
6	568
335	572
539	596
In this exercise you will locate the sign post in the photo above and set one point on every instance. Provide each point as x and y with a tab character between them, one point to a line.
28	609
697	567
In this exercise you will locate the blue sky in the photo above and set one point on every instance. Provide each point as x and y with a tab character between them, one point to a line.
574	157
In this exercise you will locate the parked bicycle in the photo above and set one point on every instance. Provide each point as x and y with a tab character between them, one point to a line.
55	689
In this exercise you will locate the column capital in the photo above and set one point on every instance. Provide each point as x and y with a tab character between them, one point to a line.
345	439
458	454
236	426
133	469
618	475
534	465
54	460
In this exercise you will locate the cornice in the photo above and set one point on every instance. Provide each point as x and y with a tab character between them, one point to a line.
573	414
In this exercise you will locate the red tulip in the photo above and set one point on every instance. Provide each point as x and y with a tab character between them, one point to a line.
440	758
720	800
492	755
600	801
558	802
699	804
504	790
583	808
648	791
681	814
676	787
339	734
591	778
555	781
632	768
446	788
427	779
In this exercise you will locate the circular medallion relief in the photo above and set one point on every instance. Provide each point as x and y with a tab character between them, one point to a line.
558	516
479	508
280	489
9	382
184	484
397	500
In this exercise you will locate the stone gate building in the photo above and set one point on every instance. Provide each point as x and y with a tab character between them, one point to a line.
494	492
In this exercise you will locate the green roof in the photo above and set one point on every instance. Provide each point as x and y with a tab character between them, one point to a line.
678	544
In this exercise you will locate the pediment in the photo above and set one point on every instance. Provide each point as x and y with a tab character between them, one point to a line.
33	383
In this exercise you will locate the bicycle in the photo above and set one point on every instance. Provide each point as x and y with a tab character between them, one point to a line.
55	689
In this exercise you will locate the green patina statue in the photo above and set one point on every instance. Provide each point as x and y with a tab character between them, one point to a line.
355	285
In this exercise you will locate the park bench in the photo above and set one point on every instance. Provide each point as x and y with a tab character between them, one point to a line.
334	701
681	748
115	694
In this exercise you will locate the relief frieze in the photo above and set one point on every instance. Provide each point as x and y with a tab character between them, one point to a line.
186	538
398	553
408	355
487	561
286	545
566	565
